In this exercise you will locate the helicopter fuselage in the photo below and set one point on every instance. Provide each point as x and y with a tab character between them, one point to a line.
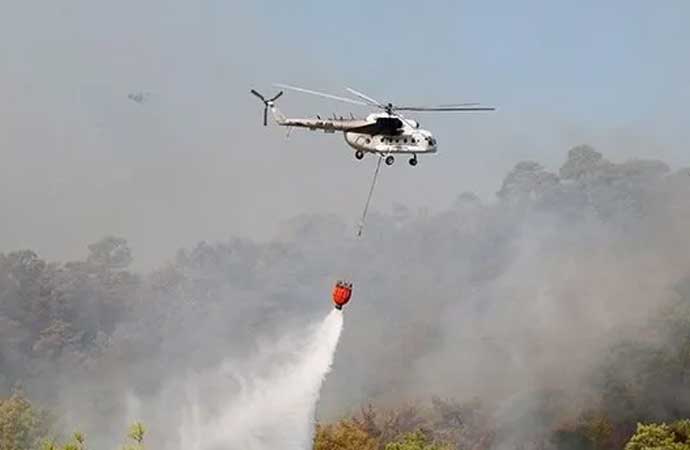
411	141
383	134
407	138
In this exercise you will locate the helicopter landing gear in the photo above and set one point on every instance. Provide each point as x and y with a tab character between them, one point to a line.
359	154
413	161
390	160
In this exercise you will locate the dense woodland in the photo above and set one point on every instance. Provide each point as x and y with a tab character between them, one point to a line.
557	316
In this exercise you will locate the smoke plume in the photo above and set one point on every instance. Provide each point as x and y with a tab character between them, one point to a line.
523	302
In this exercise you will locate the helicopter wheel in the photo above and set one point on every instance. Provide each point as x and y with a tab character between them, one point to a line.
413	161
390	160
359	154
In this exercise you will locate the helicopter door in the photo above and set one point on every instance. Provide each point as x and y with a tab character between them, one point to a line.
362	141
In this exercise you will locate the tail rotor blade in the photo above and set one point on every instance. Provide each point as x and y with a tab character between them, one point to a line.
258	95
265	115
277	96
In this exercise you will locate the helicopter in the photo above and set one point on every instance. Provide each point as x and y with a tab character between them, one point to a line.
385	133
139	97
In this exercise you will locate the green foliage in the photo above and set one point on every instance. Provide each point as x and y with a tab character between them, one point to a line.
78	442
136	434
49	445
344	435
22	427
416	441
661	437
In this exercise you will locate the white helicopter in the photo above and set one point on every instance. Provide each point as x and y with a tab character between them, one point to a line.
385	134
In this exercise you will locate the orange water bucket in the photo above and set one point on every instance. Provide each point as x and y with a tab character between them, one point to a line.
342	292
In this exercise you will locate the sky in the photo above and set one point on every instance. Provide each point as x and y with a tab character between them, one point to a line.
79	160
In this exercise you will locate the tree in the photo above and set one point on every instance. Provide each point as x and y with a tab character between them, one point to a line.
527	180
582	162
344	435
392	423
22	427
110	253
597	428
78	443
465	425
136	434
661	437
416	441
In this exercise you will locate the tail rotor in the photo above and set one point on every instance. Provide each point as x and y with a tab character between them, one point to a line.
267	103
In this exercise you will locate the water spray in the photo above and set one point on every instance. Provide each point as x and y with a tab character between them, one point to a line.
275	409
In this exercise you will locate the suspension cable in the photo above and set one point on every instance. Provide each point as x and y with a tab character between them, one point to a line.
371	193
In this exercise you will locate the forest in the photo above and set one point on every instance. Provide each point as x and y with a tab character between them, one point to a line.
556	316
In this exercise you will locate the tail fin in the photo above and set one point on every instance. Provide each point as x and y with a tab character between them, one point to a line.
269	103
278	116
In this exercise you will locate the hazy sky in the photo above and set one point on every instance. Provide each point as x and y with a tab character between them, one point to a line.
78	159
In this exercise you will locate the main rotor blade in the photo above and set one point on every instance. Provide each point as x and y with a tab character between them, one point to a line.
321	94
449	105
443	108
369	100
258	95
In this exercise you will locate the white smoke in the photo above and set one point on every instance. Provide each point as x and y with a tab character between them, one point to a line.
273	399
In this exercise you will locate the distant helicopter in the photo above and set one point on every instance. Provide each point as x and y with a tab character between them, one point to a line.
139	97
385	134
